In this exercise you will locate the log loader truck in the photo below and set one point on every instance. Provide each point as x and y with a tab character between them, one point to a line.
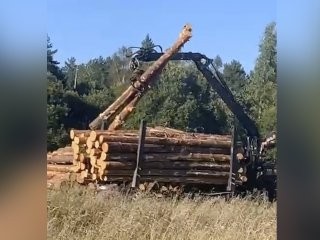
260	170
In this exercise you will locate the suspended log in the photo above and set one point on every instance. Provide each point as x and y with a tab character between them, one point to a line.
145	80
118	147
124	114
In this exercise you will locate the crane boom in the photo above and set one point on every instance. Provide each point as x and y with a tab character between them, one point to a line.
205	66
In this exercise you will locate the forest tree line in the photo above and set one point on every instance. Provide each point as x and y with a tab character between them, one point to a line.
181	98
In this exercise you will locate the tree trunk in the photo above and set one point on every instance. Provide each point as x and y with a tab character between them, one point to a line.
145	79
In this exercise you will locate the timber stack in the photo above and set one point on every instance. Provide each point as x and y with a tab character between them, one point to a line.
60	165
169	155
61	156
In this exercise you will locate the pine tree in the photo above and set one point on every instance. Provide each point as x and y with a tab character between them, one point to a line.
70	71
235	76
56	108
147	43
261	90
52	65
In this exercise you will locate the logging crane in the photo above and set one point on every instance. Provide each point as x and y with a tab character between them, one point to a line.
261	171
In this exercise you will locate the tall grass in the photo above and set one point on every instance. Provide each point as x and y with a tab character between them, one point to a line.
77	213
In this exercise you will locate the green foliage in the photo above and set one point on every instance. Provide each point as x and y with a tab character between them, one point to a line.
235	77
56	113
118	67
217	62
70	72
180	99
52	65
147	43
262	87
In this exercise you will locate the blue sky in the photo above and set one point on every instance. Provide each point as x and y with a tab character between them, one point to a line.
88	29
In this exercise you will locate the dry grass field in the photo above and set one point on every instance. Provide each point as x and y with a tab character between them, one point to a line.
76	213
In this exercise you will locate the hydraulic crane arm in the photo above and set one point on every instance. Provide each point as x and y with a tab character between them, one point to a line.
205	66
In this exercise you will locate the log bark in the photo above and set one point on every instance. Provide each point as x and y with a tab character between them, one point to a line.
75	132
169	173
67	159
118	147
62	150
59	168
154	157
170	179
111	165
168	165
94	134
103	136
184	173
124	114
145	79
212	142
80	140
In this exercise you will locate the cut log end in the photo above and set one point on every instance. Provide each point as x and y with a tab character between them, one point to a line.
72	134
105	147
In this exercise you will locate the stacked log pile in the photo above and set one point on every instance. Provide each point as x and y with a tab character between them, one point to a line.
61	156
60	164
169	156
